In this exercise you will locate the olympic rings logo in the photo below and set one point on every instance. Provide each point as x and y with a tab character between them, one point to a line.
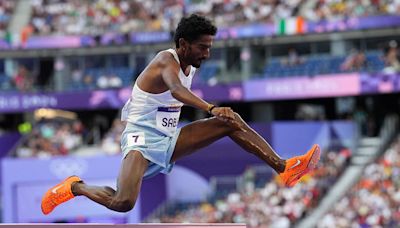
63	168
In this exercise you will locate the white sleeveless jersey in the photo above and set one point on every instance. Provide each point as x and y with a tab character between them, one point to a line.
157	111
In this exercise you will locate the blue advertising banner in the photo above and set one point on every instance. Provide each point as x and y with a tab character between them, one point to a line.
335	85
21	102
26	180
379	83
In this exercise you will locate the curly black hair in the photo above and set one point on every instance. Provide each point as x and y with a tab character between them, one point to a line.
192	27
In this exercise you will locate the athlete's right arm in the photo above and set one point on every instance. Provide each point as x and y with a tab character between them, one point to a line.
170	74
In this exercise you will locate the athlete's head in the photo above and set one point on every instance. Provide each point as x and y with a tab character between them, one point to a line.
194	36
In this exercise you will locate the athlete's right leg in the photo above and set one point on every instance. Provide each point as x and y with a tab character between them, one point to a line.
123	199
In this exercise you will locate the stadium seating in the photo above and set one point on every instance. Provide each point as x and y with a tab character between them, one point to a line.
92	76
5	82
319	65
374	201
257	196
6	11
270	204
96	17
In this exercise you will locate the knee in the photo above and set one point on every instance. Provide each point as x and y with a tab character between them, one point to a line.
122	205
237	124
238	118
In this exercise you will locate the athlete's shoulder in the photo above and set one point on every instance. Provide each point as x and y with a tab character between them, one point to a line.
165	57
166	54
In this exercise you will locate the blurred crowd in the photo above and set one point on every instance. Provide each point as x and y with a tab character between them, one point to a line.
391	58
104	79
111	142
6	12
60	137
96	17
23	79
271	205
100	16
50	138
375	200
386	60
357	60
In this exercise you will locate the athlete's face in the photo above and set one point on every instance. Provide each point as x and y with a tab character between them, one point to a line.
199	50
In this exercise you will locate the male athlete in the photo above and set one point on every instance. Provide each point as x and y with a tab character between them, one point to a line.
151	142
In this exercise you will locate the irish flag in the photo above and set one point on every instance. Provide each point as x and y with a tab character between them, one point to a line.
291	26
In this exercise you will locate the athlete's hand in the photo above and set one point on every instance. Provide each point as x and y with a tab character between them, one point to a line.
225	114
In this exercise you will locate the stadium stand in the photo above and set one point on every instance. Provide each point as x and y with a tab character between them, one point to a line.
51	138
374	200
97	17
325	64
6	12
256	197
269	205
103	79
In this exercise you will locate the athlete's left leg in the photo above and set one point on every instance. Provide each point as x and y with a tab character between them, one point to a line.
204	132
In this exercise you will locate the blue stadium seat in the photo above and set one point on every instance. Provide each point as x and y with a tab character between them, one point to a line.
125	73
5	82
319	64
208	71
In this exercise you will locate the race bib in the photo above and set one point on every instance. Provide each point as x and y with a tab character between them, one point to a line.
167	118
136	139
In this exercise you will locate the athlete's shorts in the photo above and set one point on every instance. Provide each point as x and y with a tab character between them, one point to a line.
156	147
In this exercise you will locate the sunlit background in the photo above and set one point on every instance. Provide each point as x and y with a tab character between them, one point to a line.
300	72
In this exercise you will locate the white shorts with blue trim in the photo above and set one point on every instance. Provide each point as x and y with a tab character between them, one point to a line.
156	147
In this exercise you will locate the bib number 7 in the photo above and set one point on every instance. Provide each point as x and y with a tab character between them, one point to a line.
136	139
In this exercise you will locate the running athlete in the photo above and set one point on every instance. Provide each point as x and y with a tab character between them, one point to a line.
151	142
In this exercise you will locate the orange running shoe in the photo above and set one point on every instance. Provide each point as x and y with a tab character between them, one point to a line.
58	194
299	166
